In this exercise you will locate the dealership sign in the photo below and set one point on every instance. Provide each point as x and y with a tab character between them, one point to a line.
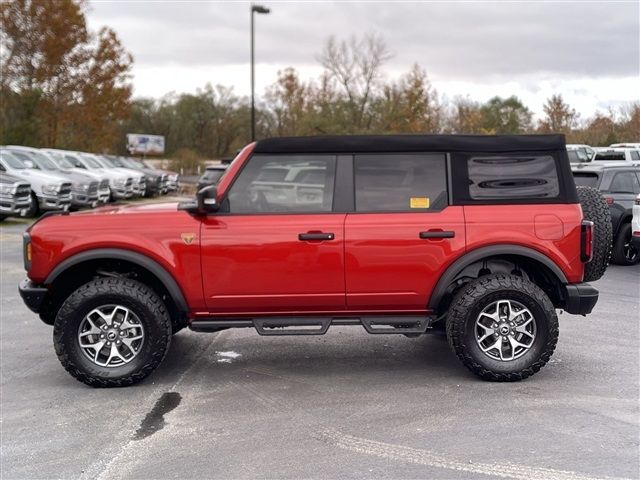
140	144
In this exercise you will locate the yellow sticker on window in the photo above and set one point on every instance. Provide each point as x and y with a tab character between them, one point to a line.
419	202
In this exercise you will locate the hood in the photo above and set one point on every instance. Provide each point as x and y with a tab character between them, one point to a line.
94	174
149	208
5	178
39	175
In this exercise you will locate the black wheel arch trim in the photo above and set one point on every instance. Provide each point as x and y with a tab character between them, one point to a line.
134	257
476	255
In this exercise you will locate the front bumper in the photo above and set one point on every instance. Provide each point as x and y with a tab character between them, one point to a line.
32	295
635	239
580	298
14	206
79	199
55	202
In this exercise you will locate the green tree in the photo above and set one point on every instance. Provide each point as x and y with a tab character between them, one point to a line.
559	116
505	116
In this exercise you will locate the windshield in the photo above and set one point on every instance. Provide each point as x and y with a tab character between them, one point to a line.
585	179
573	156
28	161
12	160
62	162
75	161
116	162
107	162
42	161
137	163
90	161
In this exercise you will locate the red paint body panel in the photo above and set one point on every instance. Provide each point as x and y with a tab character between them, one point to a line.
257	263
515	224
389	267
152	230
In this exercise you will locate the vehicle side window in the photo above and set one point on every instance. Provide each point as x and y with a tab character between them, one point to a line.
635	155
2	169
625	182
400	182
284	184
512	177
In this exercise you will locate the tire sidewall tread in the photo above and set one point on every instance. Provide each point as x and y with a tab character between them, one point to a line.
134	295
471	299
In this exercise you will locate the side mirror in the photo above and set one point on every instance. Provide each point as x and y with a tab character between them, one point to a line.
207	199
206	202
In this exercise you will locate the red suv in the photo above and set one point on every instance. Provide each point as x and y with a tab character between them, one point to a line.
482	235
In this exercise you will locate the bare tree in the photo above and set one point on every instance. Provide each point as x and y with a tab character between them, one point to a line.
356	66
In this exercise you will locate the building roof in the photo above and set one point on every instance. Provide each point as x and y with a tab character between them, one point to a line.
411	143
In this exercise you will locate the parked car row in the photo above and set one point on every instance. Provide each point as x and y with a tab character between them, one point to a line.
36	180
619	152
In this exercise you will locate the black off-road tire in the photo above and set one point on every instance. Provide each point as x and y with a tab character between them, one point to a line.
135	296
620	246
34	207
595	209
478	294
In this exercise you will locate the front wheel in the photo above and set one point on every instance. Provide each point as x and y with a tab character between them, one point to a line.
112	332
502	327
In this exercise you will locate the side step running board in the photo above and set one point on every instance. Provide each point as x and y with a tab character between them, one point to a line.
316	325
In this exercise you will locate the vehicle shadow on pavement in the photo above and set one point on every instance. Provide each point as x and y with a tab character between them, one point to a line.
340	355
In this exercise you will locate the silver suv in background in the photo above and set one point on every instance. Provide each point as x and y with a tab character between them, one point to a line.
48	191
15	196
139	184
156	179
69	161
84	188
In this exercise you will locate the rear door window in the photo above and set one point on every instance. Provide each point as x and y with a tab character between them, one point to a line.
615	156
400	182
512	177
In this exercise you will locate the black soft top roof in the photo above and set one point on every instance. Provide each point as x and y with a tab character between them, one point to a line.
411	143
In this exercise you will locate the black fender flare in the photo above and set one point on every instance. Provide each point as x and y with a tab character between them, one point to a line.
127	255
491	251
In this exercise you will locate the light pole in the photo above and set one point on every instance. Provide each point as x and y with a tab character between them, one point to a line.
254	9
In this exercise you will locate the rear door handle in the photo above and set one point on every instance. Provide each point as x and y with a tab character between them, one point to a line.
437	234
305	237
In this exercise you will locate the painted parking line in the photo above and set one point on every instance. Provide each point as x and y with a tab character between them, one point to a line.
431	459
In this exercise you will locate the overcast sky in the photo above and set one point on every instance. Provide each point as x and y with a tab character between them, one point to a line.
587	51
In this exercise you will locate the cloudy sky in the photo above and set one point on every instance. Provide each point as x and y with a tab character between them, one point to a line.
588	51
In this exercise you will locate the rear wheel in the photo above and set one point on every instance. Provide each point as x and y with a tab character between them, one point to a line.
596	210
502	327
624	252
112	332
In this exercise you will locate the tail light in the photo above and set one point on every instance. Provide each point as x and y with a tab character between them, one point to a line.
609	200
586	241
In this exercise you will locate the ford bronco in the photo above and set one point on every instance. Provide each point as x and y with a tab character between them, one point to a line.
483	236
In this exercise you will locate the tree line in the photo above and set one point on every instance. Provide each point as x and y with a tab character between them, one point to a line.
63	86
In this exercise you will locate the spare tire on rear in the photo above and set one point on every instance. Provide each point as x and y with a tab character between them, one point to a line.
595	209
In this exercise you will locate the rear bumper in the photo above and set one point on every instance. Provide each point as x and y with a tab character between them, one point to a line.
580	298
32	295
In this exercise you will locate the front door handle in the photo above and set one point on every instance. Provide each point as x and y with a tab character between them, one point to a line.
317	236
437	234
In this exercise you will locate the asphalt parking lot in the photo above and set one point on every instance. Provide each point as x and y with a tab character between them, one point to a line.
343	405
